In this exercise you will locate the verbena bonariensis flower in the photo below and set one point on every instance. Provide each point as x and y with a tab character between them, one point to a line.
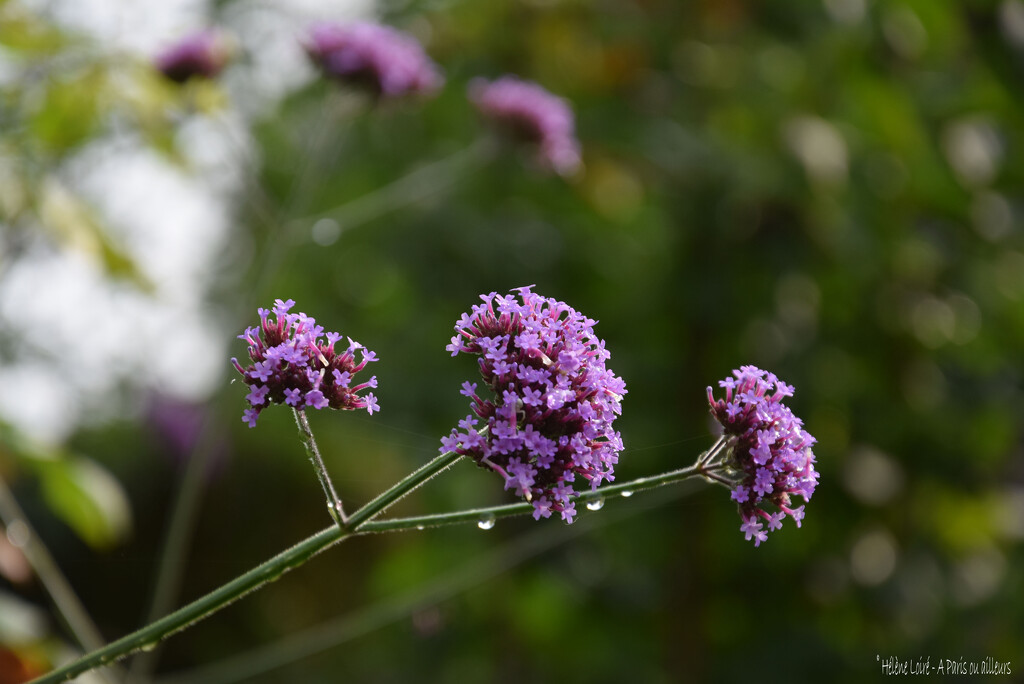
770	451
532	114
294	363
200	55
386	61
549	423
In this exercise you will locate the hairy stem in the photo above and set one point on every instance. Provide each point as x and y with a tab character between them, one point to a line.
333	502
148	637
624	489
359	522
454	580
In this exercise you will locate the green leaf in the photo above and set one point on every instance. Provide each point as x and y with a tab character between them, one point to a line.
22	32
88	498
73	224
70	111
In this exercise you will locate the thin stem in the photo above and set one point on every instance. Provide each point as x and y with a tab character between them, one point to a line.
716	449
148	637
446	585
66	601
333	502
203	607
625	489
177	539
413	187
358	523
359	519
188	499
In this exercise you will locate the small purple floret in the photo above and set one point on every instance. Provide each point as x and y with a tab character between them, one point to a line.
549	421
385	61
200	55
769	449
294	363
533	115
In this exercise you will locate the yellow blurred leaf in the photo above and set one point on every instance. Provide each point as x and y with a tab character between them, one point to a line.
72	224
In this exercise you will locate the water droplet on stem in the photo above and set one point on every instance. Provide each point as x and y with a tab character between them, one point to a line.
595	505
486	522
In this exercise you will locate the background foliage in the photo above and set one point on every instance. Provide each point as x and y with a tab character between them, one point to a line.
828	190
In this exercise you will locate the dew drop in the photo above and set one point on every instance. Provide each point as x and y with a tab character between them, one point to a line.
486	522
19	534
626	494
149	647
595	505
421	527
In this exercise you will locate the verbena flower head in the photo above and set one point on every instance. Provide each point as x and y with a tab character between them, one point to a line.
295	363
200	55
386	61
551	404
532	114
770	451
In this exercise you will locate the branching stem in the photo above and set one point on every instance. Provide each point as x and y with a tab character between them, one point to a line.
308	441
360	522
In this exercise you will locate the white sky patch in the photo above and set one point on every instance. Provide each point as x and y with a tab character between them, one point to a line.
126	24
35	398
97	334
75	335
172	223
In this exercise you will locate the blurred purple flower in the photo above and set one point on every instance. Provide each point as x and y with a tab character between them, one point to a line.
200	55
769	449
554	401
178	424
531	114
292	365
385	61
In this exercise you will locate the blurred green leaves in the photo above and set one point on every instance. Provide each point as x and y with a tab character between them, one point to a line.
77	489
69	109
71	224
24	32
86	497
65	93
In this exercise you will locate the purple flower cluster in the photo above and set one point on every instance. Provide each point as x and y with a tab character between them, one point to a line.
531	113
200	55
769	448
292	366
386	61
549	424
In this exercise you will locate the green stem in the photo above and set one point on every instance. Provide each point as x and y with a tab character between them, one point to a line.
455	579
333	502
624	489
358	523
416	186
147	637
360	518
178	535
189	496
152	634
